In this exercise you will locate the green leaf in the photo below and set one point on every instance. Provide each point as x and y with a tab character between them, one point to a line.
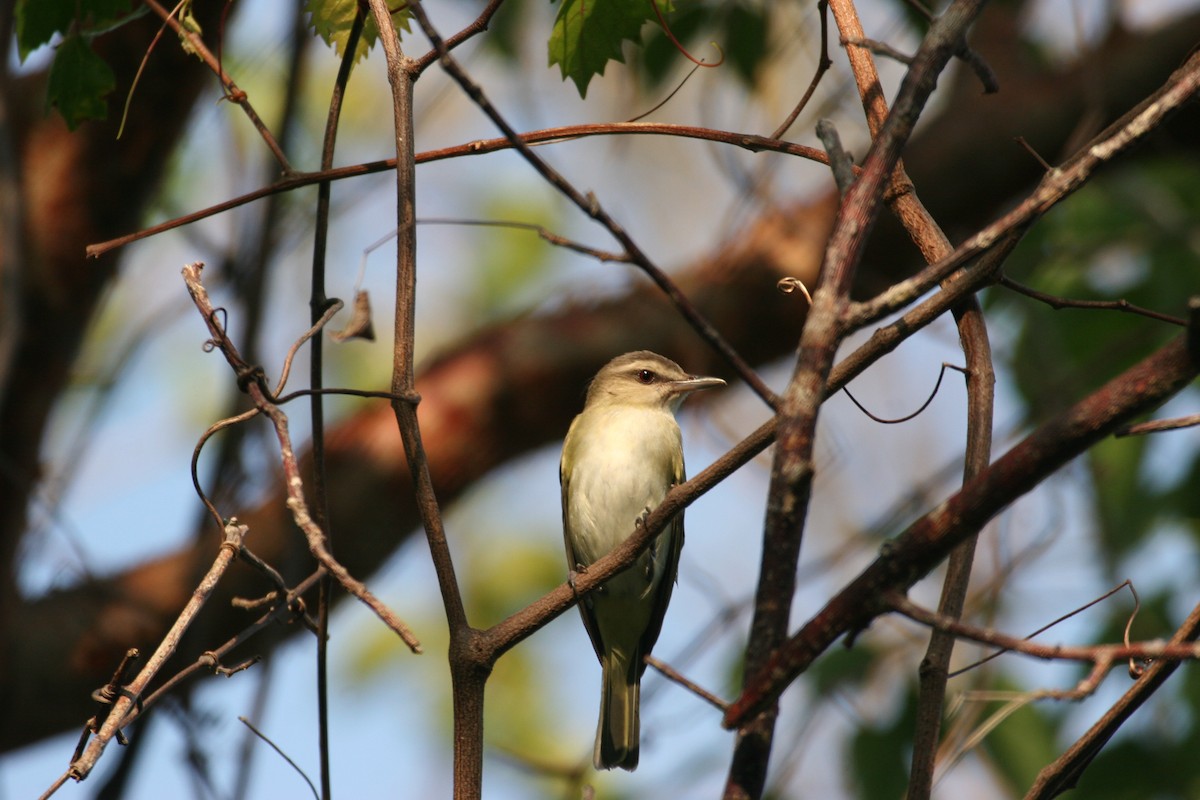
79	82
589	33
333	19
38	20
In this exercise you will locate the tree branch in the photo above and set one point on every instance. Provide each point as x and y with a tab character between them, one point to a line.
792	472
930	539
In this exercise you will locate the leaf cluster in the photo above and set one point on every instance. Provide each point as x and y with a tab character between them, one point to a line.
79	79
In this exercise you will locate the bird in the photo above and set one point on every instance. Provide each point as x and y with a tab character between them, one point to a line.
621	456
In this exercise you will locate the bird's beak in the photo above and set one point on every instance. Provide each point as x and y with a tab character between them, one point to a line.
695	383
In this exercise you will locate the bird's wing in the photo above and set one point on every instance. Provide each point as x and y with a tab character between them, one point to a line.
585	606
669	547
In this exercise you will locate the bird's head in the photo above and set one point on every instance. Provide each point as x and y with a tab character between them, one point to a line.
643	378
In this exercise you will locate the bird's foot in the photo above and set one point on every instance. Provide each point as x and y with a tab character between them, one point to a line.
640	522
572	574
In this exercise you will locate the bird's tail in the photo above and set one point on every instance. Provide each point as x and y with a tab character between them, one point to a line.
618	732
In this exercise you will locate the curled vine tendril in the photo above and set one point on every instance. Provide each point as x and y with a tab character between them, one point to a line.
679	46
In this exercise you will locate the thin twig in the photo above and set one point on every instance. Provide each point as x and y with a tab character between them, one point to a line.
1059	303
674	675
332	308
668	98
321	534
195	466
1159	425
130	696
293	481
476	27
544	233
590	205
913	415
232	91
976	664
823	65
282	754
747	141
879	48
1106	655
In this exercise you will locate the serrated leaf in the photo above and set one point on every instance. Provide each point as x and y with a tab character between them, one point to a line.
333	19
79	82
589	33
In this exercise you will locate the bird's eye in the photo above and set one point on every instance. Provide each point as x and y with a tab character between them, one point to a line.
646	376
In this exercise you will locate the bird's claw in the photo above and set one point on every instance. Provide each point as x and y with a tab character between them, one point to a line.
572	574
640	522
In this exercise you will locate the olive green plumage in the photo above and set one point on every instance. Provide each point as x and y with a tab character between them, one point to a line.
621	456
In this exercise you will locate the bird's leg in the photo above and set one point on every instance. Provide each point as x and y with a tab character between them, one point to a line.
640	522
572	574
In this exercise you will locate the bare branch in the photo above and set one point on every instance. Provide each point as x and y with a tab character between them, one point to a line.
747	141
130	697
1064	773
672	674
1053	188
928	540
1059	303
293	481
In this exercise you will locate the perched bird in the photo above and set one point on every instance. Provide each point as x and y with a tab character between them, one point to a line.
621	456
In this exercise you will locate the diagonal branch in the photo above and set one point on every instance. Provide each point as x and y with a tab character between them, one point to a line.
589	204
1059	183
792	472
250	380
130	698
1062	775
927	541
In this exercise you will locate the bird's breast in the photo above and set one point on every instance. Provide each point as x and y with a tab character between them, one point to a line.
624	461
